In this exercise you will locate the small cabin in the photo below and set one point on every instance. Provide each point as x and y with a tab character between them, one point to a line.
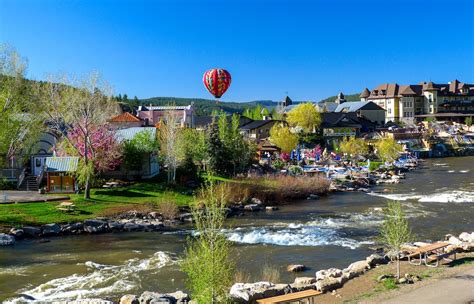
60	174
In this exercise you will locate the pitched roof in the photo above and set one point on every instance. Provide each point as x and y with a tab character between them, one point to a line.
61	164
130	133
394	90
365	93
340	120
256	124
353	106
164	108
125	117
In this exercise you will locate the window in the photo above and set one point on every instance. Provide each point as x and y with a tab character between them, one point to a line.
389	111
384	92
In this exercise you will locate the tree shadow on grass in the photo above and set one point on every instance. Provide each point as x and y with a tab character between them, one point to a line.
123	193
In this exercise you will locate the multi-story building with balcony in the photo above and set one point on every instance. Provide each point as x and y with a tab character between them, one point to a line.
408	103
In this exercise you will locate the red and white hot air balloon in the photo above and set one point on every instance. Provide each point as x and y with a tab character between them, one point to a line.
217	81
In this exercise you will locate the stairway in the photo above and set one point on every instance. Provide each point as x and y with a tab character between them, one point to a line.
29	184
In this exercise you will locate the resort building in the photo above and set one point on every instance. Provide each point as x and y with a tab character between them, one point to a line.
366	109
409	103
152	115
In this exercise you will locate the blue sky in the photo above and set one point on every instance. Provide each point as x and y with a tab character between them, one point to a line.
310	49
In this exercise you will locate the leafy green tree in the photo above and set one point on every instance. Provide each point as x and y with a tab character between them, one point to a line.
192	147
207	262
468	121
388	149
395	230
133	150
305	116
82	105
354	146
218	155
20	118
282	137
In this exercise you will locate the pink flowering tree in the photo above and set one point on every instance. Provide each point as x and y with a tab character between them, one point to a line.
285	157
97	148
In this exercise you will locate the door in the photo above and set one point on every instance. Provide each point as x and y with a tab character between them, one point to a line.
38	164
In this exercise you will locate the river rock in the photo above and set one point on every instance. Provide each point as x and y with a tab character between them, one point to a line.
133	227
247	292
129	299
87	301
376	259
313	196
328	284
31	231
149	297
454	241
271	208
115	226
467	237
95	226
180	297
355	269
74	228
17	233
252	207
255	200
6	239
328	273
305	280
186	217
296	268
51	229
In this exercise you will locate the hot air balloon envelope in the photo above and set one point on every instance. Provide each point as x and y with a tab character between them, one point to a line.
217	81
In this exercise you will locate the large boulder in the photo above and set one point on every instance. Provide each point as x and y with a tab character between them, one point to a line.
305	280
467	237
51	229
95	226
89	301
31	231
74	228
149	297
376	259
328	284
17	233
133	227
129	299
296	268
250	292
454	241
355	269
252	207
6	239
115	226
180	297
328	273
255	200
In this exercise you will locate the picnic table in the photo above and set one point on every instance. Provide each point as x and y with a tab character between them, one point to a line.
306	296
432	252
66	206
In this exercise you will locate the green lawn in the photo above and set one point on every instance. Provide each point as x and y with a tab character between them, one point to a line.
102	203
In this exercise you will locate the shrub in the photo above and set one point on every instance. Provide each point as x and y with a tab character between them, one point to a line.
276	188
168	209
6	185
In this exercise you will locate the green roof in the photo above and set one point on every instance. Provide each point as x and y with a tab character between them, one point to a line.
61	164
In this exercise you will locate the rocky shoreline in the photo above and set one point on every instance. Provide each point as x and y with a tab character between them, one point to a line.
325	280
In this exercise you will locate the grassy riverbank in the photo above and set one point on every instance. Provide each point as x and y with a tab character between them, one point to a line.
103	202
147	196
366	289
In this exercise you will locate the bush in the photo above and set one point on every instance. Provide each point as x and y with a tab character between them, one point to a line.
276	188
6	185
168	209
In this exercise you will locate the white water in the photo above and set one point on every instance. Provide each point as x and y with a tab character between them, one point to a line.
318	232
455	196
100	280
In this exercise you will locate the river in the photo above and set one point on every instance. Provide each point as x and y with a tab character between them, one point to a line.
330	232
